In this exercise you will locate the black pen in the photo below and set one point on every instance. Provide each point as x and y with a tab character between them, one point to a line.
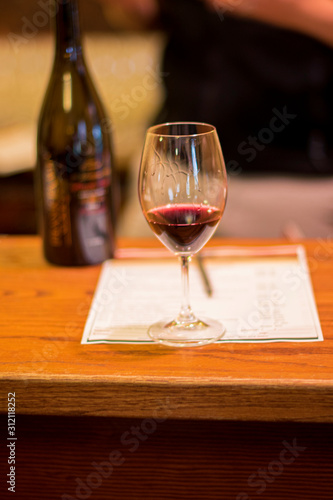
206	281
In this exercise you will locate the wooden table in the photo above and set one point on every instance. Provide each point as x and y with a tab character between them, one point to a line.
227	421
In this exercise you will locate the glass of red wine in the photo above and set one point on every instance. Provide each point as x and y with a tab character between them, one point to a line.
182	191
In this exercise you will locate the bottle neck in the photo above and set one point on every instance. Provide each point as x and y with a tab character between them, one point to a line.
68	35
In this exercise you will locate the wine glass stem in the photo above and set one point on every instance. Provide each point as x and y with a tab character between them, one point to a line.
186	314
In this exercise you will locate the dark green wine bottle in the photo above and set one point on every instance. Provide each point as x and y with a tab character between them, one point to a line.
75	174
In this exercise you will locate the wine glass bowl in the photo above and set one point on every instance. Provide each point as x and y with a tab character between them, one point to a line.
182	192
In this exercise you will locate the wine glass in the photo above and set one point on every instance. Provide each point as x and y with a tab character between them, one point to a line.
182	192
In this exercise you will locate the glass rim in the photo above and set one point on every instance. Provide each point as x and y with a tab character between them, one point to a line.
153	129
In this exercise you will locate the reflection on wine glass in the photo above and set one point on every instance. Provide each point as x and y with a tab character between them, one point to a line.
182	191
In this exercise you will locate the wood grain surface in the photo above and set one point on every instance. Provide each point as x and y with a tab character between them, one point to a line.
42	315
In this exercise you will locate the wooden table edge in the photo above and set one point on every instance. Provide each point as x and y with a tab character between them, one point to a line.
233	400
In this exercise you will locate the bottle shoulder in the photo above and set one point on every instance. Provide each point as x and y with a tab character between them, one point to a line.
72	107
71	88
67	84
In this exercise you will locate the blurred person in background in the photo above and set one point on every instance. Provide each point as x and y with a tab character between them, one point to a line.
261	71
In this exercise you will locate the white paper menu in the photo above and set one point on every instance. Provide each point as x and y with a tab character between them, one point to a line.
260	294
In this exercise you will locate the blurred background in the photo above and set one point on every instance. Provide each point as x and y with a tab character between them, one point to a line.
265	80
123	59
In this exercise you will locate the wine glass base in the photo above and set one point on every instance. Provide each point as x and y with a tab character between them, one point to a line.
186	334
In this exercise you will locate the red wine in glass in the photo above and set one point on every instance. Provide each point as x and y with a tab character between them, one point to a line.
184	228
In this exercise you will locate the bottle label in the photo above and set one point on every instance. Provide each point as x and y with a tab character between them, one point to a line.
91	176
57	208
77	201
